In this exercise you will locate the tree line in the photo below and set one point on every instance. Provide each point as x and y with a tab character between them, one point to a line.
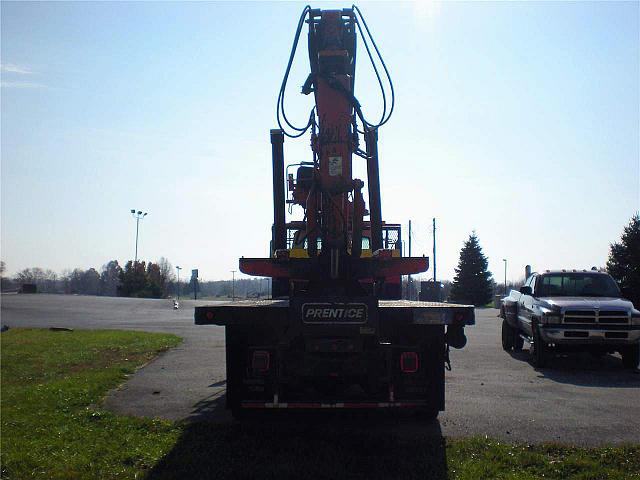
136	279
472	284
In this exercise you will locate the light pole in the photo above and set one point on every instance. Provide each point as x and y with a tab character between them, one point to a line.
139	215
233	285
178	269
505	275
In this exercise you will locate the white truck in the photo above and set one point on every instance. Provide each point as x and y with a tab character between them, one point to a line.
569	310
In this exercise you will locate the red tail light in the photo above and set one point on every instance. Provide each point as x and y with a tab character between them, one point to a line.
409	362
260	361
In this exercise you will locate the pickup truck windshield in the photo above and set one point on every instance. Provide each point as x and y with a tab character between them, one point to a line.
576	285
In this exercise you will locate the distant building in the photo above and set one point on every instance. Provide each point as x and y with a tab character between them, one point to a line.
28	288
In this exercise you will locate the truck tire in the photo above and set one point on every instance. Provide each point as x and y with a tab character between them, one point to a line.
427	414
630	356
236	344
539	350
518	341
507	336
238	413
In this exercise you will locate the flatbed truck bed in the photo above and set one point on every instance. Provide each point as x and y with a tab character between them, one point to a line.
242	311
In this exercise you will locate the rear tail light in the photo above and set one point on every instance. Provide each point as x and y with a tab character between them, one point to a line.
409	362
260	361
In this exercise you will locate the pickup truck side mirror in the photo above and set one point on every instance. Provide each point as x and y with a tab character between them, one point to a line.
526	290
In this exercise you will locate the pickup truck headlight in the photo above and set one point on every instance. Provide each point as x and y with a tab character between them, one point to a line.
635	317
549	316
554	318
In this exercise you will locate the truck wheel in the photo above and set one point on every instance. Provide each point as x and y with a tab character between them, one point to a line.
539	350
238	413
518	341
427	414
507	336
630	356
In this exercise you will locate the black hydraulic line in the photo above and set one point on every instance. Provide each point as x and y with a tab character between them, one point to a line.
384	66
358	18
280	104
375	70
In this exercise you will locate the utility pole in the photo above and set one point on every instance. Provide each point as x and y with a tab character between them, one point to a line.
233	285
436	286
505	275
409	281
178	269
434	251
139	215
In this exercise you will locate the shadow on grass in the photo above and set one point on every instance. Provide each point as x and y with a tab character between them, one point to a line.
287	444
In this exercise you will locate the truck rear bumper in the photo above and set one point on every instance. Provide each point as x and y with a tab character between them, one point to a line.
337	405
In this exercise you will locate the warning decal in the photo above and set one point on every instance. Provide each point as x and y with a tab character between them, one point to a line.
335	166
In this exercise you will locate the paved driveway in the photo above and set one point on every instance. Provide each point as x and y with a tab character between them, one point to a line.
580	400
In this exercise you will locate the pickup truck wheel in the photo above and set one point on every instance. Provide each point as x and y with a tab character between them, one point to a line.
507	336
518	341
630	356
539	350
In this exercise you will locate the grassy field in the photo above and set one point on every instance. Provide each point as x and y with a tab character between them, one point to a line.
54	427
52	387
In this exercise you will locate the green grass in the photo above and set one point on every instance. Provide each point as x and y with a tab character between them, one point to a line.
54	427
52	422
487	459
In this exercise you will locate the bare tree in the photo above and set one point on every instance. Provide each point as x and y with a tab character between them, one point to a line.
6	284
49	282
90	282
26	275
166	274
110	278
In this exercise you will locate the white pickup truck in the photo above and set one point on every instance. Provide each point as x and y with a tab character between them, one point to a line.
571	310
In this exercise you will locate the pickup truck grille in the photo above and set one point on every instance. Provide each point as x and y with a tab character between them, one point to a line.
607	317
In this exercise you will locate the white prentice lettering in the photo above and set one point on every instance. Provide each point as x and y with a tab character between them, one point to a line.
335	313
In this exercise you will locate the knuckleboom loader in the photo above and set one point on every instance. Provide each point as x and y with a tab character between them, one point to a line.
335	333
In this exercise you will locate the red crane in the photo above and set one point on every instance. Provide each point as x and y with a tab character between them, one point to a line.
333	202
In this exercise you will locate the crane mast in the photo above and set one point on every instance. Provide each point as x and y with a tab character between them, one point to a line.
332	199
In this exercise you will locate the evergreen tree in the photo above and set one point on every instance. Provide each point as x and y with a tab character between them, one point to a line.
133	279
473	283
155	283
624	261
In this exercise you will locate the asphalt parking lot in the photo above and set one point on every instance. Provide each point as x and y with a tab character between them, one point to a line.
581	400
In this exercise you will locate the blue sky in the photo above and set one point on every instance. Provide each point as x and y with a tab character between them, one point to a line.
517	120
